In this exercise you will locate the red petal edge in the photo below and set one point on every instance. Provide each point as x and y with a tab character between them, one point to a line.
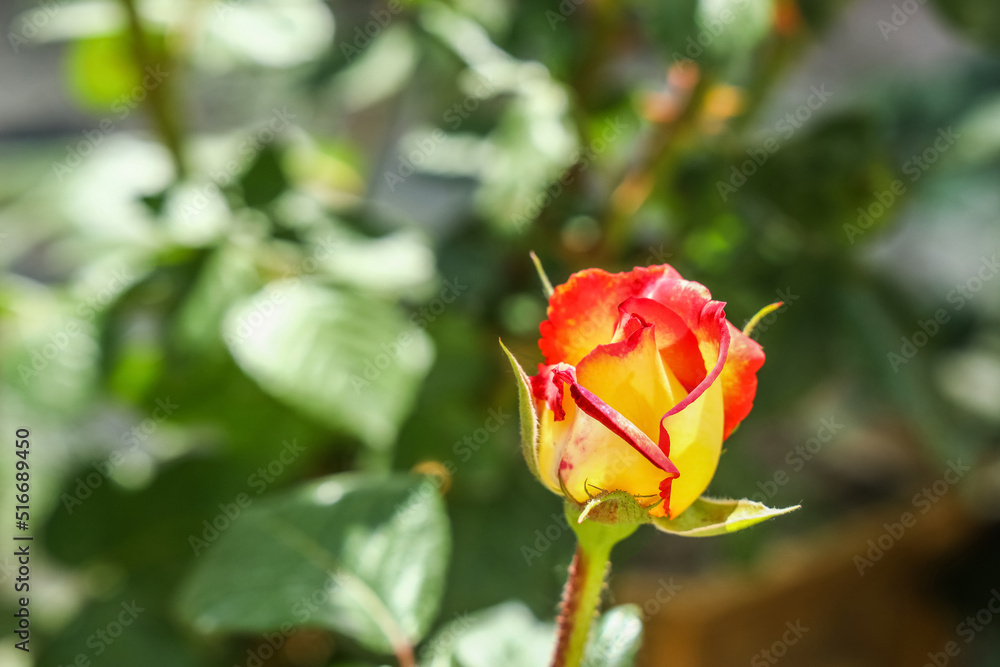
582	311
712	310
739	378
546	389
615	422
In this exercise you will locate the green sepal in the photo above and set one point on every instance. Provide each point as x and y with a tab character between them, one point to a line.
617	507
529	418
596	537
712	516
546	283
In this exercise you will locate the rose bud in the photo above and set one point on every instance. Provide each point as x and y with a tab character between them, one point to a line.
643	380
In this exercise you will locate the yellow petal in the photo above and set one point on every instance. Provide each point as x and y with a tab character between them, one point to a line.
695	446
630	377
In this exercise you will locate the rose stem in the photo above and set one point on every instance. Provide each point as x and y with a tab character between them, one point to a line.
581	597
582	594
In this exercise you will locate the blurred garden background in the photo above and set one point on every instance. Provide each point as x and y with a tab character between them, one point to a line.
257	255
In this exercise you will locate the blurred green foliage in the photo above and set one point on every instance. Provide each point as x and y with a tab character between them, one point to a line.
308	231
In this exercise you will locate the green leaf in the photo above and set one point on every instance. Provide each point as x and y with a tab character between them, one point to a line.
508	634
103	74
529	418
711	516
268	33
148	637
744	26
616	639
101	71
50	356
978	21
98	520
264	180
380	71
226	276
362	555
353	363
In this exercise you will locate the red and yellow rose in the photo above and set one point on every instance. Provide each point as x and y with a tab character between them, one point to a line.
643	380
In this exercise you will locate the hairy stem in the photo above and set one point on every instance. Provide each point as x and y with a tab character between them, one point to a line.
582	594
581	597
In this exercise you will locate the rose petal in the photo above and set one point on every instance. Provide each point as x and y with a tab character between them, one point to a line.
553	434
688	299
622	387
676	341
701	368
692	430
583	311
739	378
546	389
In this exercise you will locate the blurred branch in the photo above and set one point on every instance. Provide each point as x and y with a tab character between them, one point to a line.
601	22
785	45
159	98
691	84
